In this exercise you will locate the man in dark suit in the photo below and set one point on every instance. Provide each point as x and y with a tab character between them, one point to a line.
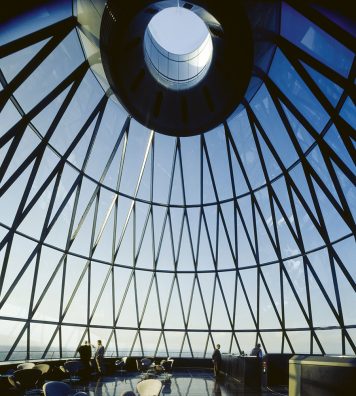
85	356
216	360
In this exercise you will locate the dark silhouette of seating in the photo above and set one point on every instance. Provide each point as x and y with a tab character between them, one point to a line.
25	379
58	388
73	368
121	365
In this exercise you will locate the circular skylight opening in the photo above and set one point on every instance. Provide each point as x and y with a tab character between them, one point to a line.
178	48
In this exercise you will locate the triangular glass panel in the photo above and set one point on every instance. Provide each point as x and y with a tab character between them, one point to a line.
176	196
125	339
77	298
191	152
13	64
225	259
239	179
165	253
103	314
295	269
19	352
121	283
245	255
187	285
144	190
287	244
331	90
185	254
294	316
159	216
150	341
334	223
151	316
10	330
53	350
228	281
247	340
272	125
18	302
164	148
145	258
13	197
176	218
80	151
220	318
331	341
174	318
205	259
164	282
128	315
310	234
320	262
9	116
322	313
49	307
25	147
335	141
40	336
272	342
250	278
187	347
104	239
216	147
58	233
144	284
211	217
300	341
198	342
304	137
208	189
268	318
267	252
207	282
193	218
316	160
347	297
243	317
272	277
174	341
81	238
197	317
125	251
43	120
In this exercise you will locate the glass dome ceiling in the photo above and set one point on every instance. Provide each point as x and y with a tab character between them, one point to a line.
165	245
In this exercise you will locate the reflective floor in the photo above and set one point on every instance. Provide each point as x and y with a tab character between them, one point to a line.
183	383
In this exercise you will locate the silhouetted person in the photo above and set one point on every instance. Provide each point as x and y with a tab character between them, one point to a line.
99	357
257	351
216	360
85	356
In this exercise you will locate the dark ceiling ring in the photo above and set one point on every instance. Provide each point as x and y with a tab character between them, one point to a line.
177	112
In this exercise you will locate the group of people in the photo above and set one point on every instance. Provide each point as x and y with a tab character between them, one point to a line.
216	357
85	353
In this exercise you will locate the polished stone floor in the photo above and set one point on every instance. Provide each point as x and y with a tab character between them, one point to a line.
183	383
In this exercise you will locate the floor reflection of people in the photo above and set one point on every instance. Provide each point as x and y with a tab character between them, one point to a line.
166	388
217	389
99	387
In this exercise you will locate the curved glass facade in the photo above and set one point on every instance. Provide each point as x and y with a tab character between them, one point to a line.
166	246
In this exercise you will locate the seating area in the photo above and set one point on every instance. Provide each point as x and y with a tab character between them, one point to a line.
60	379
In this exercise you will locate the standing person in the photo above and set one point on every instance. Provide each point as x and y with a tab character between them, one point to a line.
216	360
257	351
85	356
99	357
